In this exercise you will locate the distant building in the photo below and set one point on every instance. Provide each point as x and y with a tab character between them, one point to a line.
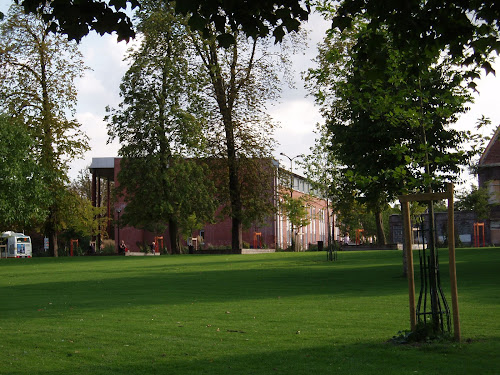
274	233
489	178
464	228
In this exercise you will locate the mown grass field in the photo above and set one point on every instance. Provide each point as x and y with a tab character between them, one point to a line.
283	313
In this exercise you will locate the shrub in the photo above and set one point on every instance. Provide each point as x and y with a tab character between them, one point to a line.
108	247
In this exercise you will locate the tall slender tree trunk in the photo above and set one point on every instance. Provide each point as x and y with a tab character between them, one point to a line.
225	100
381	240
55	247
234	192
48	157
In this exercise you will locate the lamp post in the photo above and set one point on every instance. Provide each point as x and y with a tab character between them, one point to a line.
118	211
291	190
291	169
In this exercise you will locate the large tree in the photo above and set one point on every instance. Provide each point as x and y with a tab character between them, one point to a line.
37	73
390	121
160	123
24	197
242	79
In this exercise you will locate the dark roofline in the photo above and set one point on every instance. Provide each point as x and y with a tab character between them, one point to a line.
488	149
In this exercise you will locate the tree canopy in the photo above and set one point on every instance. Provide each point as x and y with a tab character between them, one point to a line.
389	122
160	125
223	18
463	28
37	74
24	197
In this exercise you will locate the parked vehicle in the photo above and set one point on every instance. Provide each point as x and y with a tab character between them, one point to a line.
15	245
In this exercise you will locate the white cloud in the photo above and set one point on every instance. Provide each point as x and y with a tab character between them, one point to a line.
95	128
486	103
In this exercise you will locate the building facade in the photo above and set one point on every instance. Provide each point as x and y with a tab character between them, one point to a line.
274	233
489	178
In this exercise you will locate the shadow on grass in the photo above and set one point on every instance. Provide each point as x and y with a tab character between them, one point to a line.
100	283
357	358
173	284
361	291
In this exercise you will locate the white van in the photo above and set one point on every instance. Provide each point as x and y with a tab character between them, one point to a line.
15	245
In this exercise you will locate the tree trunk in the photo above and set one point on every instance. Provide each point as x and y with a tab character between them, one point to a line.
380	227
405	260
173	231
296	244
234	191
53	239
225	102
236	236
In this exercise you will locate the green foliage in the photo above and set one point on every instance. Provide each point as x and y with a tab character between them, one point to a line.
223	18
323	172
160	123
389	121
79	219
156	197
24	196
295	209
464	30
108	247
82	185
37	74
477	200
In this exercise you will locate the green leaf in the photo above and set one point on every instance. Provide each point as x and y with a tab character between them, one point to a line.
226	40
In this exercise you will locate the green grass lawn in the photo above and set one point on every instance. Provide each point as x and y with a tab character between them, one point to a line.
283	313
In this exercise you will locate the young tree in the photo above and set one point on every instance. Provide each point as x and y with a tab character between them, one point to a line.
79	219
159	124
37	73
323	173
82	185
297	212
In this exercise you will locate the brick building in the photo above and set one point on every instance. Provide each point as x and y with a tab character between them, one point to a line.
274	233
489	178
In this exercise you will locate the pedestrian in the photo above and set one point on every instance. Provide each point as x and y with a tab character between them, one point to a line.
123	247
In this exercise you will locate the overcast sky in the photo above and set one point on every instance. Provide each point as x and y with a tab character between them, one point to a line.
295	112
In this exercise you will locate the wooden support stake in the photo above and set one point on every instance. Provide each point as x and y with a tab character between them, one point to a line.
405	205
452	266
409	263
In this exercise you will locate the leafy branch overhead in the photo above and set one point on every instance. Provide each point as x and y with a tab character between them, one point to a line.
222	18
465	29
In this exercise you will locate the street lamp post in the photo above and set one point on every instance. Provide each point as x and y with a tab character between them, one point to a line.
291	189
118	211
291	169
